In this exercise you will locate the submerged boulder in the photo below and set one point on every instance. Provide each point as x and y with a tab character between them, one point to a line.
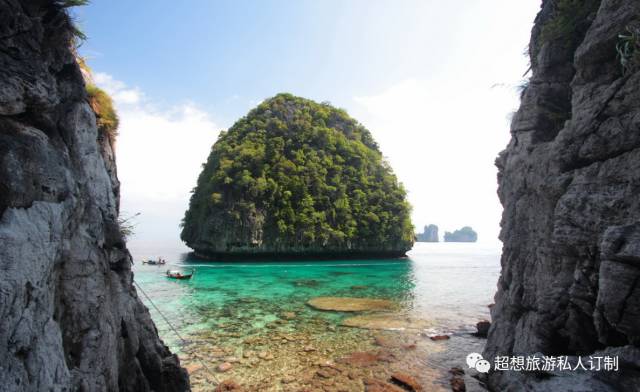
348	304
296	177
386	321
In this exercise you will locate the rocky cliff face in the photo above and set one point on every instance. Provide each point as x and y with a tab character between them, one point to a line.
569	182
70	318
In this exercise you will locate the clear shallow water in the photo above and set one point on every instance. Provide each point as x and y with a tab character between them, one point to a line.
226	305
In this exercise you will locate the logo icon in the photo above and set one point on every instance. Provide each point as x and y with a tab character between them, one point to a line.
475	361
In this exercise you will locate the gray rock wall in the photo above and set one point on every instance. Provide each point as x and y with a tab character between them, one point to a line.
569	182
70	319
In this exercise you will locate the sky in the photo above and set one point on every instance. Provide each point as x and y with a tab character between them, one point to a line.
435	82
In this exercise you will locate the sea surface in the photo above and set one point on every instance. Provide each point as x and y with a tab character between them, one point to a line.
255	317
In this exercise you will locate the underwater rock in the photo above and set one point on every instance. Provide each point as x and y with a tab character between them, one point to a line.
373	385
439	337
225	367
385	321
228	386
365	358
288	315
351	304
406	381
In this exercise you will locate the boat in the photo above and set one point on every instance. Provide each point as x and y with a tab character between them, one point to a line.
154	262
175	274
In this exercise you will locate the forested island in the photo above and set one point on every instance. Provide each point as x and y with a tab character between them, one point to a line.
296	177
465	234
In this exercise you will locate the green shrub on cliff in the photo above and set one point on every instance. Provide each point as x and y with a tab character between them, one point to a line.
628	49
297	174
570	20
106	116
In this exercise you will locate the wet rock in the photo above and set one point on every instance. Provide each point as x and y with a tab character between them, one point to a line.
351	304
482	328
224	367
439	337
457	384
406	381
311	283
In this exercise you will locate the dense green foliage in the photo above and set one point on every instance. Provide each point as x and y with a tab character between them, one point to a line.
307	174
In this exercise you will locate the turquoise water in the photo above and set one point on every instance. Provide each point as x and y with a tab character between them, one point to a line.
448	284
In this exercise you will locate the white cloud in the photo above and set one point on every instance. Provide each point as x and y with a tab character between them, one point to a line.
442	127
442	140
159	155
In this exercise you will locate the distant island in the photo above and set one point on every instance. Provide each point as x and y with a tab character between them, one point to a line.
466	234
430	234
297	178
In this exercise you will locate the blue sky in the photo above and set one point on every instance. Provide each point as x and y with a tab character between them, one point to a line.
434	81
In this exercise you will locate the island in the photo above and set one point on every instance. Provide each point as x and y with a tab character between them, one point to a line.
297	178
430	234
466	234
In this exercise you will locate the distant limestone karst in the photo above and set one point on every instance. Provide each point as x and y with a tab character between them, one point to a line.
466	234
430	234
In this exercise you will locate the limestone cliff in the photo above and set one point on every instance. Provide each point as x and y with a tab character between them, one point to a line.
70	319
465	234
430	234
569	182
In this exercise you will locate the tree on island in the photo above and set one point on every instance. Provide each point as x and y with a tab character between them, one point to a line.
430	234
466	234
